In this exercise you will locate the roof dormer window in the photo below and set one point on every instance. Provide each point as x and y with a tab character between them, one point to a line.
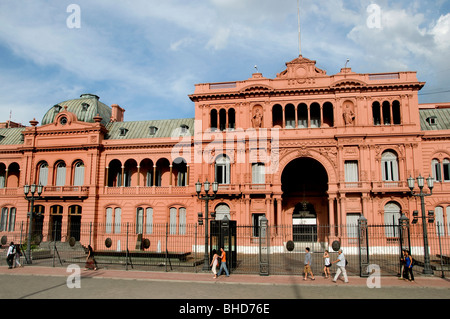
123	131
432	120
85	106
57	108
153	130
184	129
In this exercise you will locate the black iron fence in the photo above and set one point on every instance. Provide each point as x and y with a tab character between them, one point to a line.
166	247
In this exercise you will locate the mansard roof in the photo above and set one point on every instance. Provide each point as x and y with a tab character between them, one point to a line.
141	129
435	119
85	108
11	136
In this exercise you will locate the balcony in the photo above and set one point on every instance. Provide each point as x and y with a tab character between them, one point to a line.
390	187
148	190
11	191
376	187
65	191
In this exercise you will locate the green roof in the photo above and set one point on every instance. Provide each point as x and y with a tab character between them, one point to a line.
11	136
85	108
441	116
141	129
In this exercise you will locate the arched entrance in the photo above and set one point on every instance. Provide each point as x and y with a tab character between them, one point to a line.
304	183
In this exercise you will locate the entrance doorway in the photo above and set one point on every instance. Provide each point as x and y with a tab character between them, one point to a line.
56	212
304	223
304	183
75	222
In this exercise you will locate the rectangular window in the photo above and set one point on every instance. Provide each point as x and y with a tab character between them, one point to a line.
117	220
351	173
139	220
256	218
109	220
149	221
12	219
258	173
173	221
182	221
439	221
446	167
4	219
352	225
436	167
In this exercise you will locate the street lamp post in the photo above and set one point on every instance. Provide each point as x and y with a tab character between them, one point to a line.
206	198
30	192
420	182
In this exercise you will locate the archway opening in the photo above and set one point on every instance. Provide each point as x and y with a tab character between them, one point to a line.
304	183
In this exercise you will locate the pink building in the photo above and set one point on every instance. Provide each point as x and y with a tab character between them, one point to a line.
304	148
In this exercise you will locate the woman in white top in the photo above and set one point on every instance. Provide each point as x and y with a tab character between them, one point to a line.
326	269
214	263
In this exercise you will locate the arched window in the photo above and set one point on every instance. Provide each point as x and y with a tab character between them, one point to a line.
436	170
222	119
391	216
78	175
8	219
213	119
177	221
376	113
446	169
231	119
315	115
386	107
396	116
277	115
289	115
389	166
113	220
302	115
328	117
222	169
439	220
149	221
2	175
222	210
43	174
60	174
139	220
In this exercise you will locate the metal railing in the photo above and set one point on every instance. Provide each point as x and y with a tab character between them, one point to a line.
165	247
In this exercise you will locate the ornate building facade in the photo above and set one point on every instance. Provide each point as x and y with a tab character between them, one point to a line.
303	148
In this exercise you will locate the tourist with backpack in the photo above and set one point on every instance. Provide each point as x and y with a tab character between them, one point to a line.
10	255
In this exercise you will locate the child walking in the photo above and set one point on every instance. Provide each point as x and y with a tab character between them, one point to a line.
326	269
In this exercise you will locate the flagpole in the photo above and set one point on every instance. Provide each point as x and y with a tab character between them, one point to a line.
299	33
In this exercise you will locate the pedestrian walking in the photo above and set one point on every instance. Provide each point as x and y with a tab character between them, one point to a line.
307	268
223	263
402	265
326	268
340	263
18	255
409	267
214	263
10	253
91	263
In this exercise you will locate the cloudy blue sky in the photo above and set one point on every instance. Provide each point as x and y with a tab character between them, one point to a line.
147	55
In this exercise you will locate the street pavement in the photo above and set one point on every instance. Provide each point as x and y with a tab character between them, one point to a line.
181	291
31	273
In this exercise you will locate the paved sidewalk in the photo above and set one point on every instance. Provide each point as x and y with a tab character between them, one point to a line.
386	281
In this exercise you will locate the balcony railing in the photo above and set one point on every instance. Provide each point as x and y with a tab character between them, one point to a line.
65	191
147	190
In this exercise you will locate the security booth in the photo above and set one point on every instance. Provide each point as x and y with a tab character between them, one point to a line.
223	235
